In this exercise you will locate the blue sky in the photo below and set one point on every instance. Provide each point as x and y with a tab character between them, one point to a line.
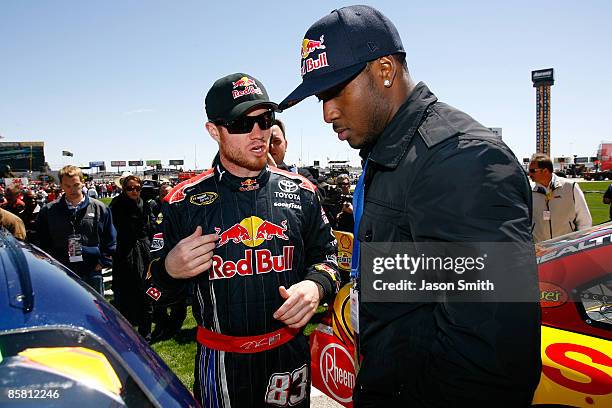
126	80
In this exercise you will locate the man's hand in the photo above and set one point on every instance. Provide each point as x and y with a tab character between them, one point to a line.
347	208
191	256
301	301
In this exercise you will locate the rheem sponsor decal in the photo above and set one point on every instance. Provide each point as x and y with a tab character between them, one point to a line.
336	369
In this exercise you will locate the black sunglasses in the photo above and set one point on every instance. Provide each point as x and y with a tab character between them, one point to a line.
533	170
132	188
244	124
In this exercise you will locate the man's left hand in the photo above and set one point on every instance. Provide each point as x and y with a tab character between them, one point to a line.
301	301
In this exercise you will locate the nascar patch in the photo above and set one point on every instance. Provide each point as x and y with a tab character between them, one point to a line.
203	198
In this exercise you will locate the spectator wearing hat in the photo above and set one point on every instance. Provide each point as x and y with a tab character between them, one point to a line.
431	174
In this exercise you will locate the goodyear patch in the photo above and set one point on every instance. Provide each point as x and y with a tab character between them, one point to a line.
203	198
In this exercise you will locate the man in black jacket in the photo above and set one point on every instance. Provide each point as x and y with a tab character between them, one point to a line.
433	174
78	230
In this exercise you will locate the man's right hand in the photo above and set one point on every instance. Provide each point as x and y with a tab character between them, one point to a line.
191	256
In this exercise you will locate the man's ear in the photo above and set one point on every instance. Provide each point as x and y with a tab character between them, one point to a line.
387	69
213	131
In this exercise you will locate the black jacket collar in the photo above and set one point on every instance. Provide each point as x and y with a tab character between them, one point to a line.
394	140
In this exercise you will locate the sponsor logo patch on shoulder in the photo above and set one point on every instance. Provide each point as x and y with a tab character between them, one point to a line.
287	186
203	198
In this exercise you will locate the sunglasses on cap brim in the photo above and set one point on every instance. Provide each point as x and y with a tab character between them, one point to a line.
244	124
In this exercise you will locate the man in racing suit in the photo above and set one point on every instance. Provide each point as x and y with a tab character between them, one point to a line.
260	252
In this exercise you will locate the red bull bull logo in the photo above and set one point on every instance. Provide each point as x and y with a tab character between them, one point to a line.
309	46
252	232
311	64
243	82
249	87
268	230
236	233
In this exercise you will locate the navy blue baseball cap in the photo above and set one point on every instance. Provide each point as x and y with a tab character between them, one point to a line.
338	47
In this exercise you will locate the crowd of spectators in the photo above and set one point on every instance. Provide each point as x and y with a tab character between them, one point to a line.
69	221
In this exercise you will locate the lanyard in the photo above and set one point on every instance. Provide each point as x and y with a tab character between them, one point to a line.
358	198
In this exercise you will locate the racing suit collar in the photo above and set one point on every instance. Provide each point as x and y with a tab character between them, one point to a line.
240	183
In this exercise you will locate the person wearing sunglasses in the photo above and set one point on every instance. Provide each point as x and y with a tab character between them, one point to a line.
133	222
559	206
255	243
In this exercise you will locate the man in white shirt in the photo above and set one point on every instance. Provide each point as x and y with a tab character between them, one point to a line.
559	206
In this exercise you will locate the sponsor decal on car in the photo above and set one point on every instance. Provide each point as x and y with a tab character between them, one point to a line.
337	373
552	295
576	370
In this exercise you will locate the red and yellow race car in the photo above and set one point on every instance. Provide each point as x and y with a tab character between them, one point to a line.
575	274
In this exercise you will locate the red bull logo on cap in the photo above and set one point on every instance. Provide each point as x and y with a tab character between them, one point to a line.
309	46
249	85
311	64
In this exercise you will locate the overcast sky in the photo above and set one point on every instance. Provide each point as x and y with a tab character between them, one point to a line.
126	80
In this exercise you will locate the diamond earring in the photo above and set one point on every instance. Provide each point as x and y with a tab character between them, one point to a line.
387	83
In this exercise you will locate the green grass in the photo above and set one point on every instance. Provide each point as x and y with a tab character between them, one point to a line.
179	352
593	192
105	200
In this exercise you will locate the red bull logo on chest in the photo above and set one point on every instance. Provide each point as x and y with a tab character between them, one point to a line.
252	232
254	262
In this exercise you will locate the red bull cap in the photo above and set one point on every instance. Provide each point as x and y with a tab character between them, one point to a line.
234	95
337	47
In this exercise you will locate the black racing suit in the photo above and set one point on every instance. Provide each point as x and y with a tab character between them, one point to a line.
272	234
